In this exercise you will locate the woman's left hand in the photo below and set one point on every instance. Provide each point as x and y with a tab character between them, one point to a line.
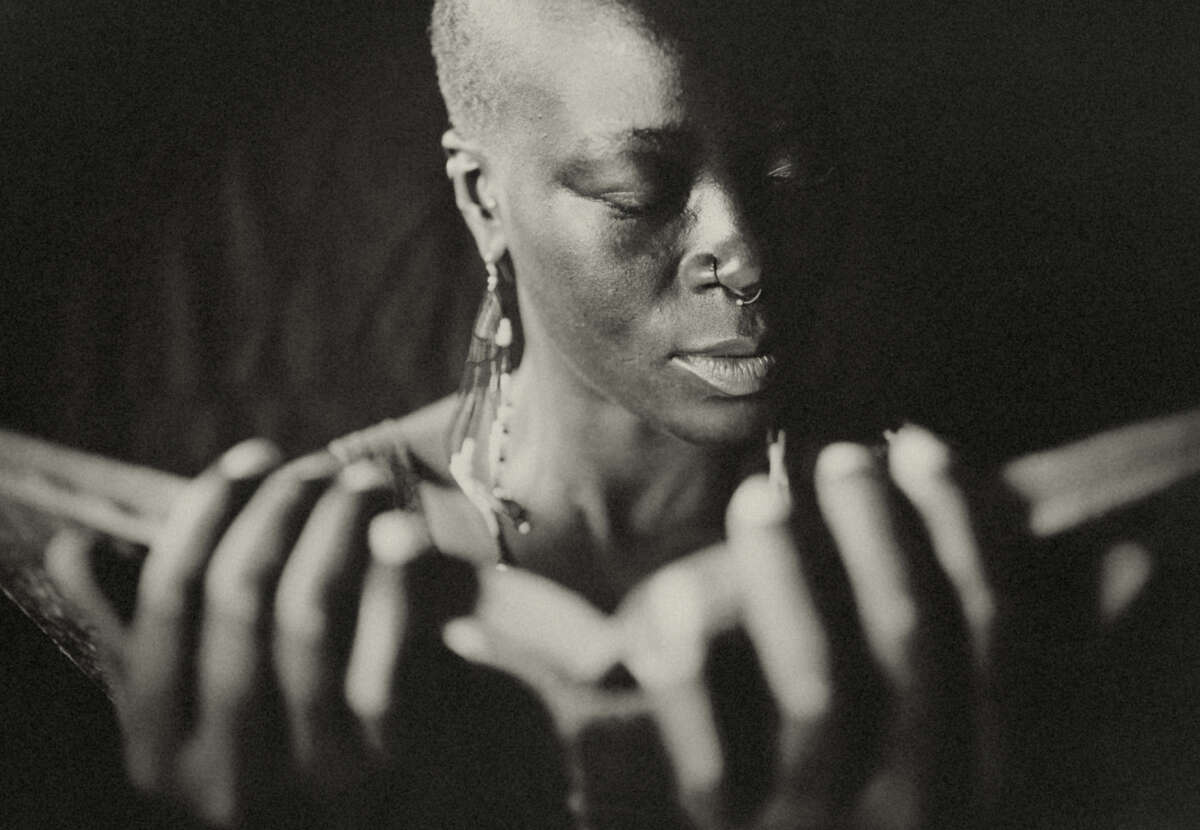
871	619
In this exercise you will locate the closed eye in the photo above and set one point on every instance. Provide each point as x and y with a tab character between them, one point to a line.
793	173
629	202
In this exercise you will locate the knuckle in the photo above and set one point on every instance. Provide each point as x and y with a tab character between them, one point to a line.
66	549
234	591
218	805
148	767
299	478
808	699
282	498
899	619
282	486
898	647
816	699
303	698
145	775
305	599
363	477
299	620
165	595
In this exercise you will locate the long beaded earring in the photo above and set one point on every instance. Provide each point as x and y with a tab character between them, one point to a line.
485	398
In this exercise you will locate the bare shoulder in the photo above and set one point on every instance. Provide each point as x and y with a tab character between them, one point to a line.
417	440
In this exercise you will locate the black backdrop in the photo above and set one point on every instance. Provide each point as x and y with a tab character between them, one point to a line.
220	220
225	221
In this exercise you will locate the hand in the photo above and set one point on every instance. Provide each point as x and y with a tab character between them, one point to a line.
871	620
248	634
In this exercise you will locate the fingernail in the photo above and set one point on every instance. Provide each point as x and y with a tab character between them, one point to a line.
250	459
758	501
397	537
918	447
919	461
466	639
364	476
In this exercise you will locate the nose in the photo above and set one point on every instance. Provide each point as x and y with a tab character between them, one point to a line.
723	251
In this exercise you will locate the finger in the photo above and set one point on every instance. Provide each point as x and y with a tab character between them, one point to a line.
1125	569
234	719
914	629
395	538
548	621
69	566
314	625
926	471
780	615
852	493
162	637
667	659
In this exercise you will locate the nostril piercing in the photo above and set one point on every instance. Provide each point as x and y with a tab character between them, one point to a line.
742	298
750	298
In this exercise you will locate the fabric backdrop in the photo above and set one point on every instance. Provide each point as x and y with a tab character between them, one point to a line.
224	220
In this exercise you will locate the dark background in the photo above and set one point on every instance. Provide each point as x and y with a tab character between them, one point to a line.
222	220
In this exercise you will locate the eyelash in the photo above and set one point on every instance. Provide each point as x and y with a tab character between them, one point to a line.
784	174
789	173
628	208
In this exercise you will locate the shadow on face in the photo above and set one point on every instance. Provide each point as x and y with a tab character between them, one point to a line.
647	171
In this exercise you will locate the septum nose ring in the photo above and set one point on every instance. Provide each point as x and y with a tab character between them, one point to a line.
742	298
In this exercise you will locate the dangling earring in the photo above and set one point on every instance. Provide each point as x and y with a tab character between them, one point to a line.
485	397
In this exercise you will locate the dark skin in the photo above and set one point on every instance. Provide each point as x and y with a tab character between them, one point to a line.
611	192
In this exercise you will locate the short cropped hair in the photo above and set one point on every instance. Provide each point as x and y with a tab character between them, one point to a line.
476	80
464	66
473	74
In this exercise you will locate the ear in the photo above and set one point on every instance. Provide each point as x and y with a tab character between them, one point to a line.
474	194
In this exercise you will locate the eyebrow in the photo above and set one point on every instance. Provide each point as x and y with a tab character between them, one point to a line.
637	139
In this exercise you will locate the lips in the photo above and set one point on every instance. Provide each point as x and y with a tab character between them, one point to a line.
732	375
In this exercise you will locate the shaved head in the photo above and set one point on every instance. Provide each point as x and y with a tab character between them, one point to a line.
486	50
471	74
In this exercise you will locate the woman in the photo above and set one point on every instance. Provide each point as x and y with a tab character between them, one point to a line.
649	191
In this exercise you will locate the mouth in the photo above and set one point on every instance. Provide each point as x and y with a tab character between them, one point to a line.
732	375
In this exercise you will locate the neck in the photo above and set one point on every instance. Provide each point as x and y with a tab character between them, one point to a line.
601	483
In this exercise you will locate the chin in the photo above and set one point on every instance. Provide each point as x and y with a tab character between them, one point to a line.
725	421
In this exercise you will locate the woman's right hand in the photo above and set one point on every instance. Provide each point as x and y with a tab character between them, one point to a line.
271	609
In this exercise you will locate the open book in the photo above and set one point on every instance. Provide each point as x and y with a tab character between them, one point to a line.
544	633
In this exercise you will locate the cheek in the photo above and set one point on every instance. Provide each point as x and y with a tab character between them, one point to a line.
592	278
